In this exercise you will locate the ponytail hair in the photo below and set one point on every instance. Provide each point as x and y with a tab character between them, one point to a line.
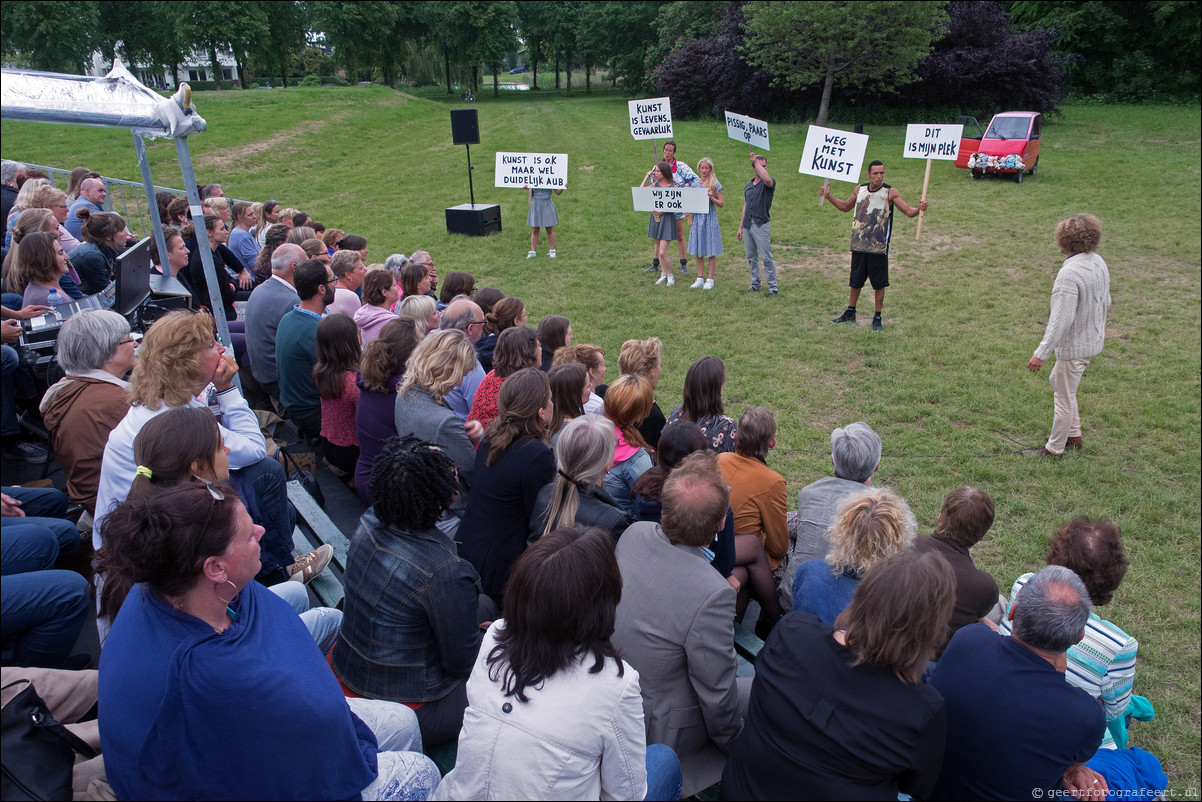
583	453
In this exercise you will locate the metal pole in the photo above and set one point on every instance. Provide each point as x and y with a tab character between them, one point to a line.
155	223
470	191
206	256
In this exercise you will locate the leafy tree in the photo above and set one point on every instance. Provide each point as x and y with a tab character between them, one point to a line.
534	27
276	51
449	24
1129	51
860	45
678	23
626	30
146	33
55	36
492	36
358	31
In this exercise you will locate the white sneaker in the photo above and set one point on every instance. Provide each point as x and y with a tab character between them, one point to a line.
671	279
531	255
551	253
709	284
700	281
662	278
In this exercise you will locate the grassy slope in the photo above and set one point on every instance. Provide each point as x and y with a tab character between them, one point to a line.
946	383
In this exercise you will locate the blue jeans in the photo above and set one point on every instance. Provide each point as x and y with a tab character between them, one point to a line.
44	507
264	489
9	360
41	611
663	773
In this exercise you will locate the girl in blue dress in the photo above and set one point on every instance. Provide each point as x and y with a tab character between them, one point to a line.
705	237
542	214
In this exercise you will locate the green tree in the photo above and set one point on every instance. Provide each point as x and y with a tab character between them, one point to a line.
356	31
534	28
628	29
55	36
276	51
492	35
862	45
146	33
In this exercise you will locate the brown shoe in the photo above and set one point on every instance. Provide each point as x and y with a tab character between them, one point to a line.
1039	452
1075	442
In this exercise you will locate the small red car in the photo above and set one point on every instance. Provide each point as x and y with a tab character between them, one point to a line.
1009	146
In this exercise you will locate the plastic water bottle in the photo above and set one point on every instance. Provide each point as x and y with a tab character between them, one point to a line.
54	301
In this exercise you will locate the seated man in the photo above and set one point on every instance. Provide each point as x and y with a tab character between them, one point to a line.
856	455
964	518
675	624
1103	663
1015	728
268	304
296	346
96	351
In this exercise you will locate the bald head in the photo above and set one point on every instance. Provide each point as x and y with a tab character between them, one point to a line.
466	316
285	259
93	189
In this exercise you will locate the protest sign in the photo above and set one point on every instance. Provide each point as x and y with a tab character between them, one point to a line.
925	141
538	170
833	154
671	199
651	118
747	129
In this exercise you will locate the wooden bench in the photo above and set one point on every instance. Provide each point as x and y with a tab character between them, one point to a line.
314	528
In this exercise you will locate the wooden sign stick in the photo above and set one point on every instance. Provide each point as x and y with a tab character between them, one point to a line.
925	183
827	186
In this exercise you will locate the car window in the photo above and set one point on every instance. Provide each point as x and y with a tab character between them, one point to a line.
1008	128
972	128
1035	128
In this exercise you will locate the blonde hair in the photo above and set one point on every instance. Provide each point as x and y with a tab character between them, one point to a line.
168	366
417	308
439	363
628	403
46	195
26	194
869	527
216	203
713	181
639	357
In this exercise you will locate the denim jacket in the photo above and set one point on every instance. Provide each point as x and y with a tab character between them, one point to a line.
409	631
620	479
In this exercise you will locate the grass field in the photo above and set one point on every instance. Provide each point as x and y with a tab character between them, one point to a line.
945	384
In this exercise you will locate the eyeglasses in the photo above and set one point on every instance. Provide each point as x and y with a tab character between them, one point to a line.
213	491
476	323
127	342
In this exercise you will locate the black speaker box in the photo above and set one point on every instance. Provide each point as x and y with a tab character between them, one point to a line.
465	127
474	221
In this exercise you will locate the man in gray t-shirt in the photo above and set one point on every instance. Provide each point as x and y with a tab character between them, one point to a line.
757	202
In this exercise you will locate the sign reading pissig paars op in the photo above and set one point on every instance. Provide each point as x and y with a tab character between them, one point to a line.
651	118
747	129
537	170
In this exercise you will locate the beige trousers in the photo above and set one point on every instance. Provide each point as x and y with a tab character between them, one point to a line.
1066	423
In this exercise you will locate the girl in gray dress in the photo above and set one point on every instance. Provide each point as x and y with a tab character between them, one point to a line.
662	227
542	215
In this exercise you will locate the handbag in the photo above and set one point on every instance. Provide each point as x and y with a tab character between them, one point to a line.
37	753
296	473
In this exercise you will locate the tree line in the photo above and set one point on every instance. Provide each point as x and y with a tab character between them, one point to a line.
762	58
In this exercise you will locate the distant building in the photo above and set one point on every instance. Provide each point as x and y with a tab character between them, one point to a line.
194	68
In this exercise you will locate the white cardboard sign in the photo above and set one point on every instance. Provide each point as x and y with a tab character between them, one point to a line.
925	141
651	118
747	129
539	170
834	154
671	199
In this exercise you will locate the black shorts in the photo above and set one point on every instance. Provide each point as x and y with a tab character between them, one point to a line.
873	267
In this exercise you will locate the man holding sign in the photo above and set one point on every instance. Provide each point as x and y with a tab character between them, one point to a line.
870	231
757	202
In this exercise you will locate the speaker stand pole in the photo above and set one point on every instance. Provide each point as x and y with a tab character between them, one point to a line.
470	191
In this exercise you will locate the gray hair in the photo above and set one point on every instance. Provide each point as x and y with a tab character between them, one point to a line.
89	339
583	454
395	263
282	255
9	170
1051	610
856	451
421	258
459	314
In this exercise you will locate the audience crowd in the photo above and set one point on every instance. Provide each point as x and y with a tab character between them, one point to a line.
550	571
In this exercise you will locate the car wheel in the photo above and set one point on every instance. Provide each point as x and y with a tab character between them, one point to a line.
1035	166
975	173
1018	177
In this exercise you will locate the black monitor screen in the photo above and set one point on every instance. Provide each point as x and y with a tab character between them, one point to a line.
133	277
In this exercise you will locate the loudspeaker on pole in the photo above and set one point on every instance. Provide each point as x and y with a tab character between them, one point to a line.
465	127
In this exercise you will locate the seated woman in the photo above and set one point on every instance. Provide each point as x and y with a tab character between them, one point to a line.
422	310
554	712
206	667
185	445
95	260
642	358
95	351
759	502
32	221
570	388
593	359
338	359
517	348
177	252
437	366
412	605
1103	663
178	360
583	454
216	236
843	714
505	313
513	464
272	237
554	332
626	405
456	284
415	280
380	373
41	267
701	402
379	296
868	527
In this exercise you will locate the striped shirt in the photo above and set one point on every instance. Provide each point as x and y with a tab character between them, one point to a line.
1102	665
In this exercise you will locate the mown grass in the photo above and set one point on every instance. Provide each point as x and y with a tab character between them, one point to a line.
946	384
